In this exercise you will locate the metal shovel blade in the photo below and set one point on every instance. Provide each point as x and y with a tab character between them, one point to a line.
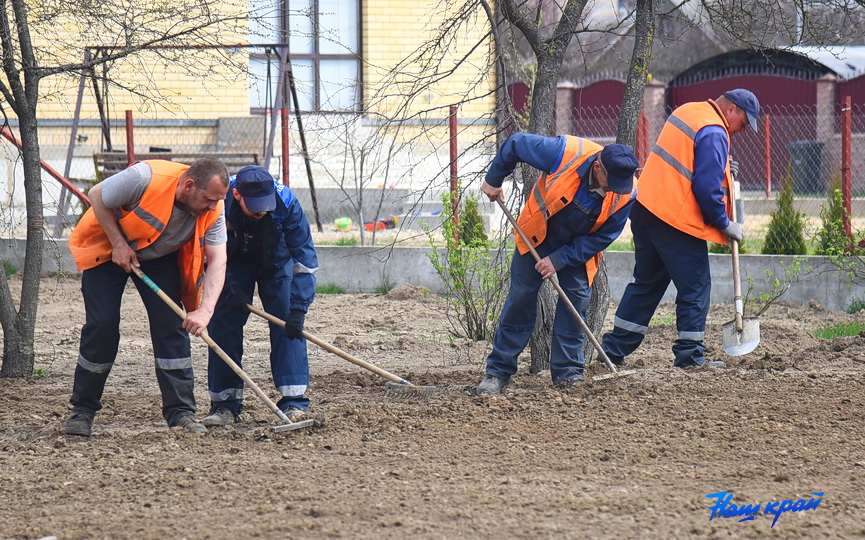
738	343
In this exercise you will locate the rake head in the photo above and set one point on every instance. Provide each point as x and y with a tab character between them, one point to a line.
407	390
291	426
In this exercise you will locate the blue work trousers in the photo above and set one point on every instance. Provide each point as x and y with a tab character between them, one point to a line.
289	363
662	254
102	287
518	317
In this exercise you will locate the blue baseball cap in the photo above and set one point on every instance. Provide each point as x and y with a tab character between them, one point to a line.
257	188
620	162
747	101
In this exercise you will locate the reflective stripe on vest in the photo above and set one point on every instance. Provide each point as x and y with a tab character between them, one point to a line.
141	227
666	179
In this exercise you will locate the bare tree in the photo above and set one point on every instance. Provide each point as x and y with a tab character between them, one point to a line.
125	28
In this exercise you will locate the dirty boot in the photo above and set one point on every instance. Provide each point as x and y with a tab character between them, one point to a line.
294	413
220	416
190	424
80	424
491	385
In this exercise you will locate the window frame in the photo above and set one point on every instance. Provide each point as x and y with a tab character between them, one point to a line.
315	57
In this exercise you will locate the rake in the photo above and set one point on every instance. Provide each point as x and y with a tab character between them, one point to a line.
397	387
586	330
289	425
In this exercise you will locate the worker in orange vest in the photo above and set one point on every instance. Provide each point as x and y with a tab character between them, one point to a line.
683	204
577	208
164	218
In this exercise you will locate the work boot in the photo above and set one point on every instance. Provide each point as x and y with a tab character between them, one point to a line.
618	361
490	385
79	423
190	424
571	382
294	413
219	416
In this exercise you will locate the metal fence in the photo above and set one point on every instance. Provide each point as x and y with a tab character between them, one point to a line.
383	176
802	145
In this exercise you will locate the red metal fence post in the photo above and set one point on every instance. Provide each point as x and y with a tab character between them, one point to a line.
130	144
767	145
283	116
846	159
453	184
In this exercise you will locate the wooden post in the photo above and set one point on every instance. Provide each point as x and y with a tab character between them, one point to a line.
453	166
130	144
283	116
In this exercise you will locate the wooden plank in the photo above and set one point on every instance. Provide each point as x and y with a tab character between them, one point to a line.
108	163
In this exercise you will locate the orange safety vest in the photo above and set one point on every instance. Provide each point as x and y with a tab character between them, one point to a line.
554	192
666	178
141	227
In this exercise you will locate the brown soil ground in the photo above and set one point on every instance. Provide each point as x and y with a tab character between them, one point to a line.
629	458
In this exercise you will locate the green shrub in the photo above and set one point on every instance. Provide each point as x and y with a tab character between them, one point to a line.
475	278
471	224
832	240
786	230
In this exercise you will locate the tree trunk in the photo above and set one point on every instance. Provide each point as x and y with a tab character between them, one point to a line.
19	328
541	122
632	104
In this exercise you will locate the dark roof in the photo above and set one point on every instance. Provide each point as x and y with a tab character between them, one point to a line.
753	62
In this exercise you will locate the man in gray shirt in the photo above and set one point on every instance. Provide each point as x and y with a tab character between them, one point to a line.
164	218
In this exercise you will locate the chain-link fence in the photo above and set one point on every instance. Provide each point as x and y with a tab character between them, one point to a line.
799	145
392	175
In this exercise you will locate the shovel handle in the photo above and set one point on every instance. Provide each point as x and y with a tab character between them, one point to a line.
212	344
555	281
737	282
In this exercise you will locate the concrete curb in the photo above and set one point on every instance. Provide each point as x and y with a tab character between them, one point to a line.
363	269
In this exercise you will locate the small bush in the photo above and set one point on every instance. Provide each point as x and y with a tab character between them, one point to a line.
474	277
786	230
8	269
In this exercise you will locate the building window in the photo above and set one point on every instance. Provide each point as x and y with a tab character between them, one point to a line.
323	39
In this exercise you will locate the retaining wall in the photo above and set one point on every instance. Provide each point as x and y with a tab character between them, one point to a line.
363	269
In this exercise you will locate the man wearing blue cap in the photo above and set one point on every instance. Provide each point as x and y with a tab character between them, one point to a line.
684	201
577	208
269	243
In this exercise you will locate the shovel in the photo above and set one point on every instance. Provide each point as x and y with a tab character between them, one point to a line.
741	335
288	425
586	330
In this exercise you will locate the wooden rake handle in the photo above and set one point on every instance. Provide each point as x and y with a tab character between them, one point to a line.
554	280
330	348
212	344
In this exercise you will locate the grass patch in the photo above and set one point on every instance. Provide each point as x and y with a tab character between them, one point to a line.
621	245
8	269
840	330
329	288
856	305
384	285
